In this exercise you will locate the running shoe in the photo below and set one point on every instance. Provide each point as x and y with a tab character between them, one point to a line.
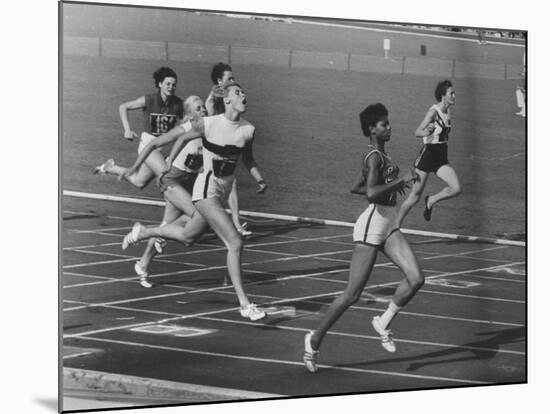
132	237
103	168
385	335
310	356
159	244
251	312
243	231
427	210
143	275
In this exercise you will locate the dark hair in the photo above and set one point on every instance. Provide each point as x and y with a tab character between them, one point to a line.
163	73
370	116
218	71
441	89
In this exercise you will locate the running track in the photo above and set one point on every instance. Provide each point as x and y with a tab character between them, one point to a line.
466	326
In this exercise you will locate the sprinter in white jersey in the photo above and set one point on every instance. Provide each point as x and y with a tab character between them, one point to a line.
434	131
225	137
221	74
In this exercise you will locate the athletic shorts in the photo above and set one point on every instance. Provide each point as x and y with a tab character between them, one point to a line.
145	139
432	157
374	225
177	177
208	185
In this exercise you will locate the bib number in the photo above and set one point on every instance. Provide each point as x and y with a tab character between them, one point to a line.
193	161
224	167
162	123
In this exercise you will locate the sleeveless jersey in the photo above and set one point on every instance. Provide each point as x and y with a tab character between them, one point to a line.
442	121
160	117
223	143
388	173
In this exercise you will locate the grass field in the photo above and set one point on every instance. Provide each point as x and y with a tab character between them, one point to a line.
309	143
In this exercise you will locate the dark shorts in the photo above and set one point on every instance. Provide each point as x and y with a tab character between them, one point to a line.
177	177
432	157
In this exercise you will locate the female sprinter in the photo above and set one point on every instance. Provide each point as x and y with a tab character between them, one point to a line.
434	131
161	111
225	138
177	184
221	74
374	231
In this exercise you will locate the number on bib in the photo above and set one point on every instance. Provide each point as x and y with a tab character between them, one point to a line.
193	161
162	123
224	167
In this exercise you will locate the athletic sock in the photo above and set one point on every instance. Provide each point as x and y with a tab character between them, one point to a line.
389	314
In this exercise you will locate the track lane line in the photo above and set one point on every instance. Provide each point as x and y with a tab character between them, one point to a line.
286	362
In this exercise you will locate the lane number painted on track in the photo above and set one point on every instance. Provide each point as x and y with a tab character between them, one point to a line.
460	284
511	270
174	330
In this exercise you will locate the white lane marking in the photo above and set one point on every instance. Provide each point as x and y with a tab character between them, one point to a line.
503	279
222	288
213	249
377	338
91	246
277	300
472	296
142	220
276	279
212	289
103	230
135	325
77	355
283	362
158	258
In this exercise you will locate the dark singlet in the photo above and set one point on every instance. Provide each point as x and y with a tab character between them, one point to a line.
160	117
389	172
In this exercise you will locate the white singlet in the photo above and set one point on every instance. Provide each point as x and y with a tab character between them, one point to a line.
223	143
442	123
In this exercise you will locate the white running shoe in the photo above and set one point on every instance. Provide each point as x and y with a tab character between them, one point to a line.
103	168
251	312
132	237
143	275
159	244
243	231
310	356
385	335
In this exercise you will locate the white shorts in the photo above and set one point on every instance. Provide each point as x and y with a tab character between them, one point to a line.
208	185
145	139
375	225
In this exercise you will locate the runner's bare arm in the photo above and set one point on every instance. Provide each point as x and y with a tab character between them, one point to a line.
252	167
123	112
427	126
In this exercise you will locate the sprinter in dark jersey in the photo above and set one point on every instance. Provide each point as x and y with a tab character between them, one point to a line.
374	231
161	111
